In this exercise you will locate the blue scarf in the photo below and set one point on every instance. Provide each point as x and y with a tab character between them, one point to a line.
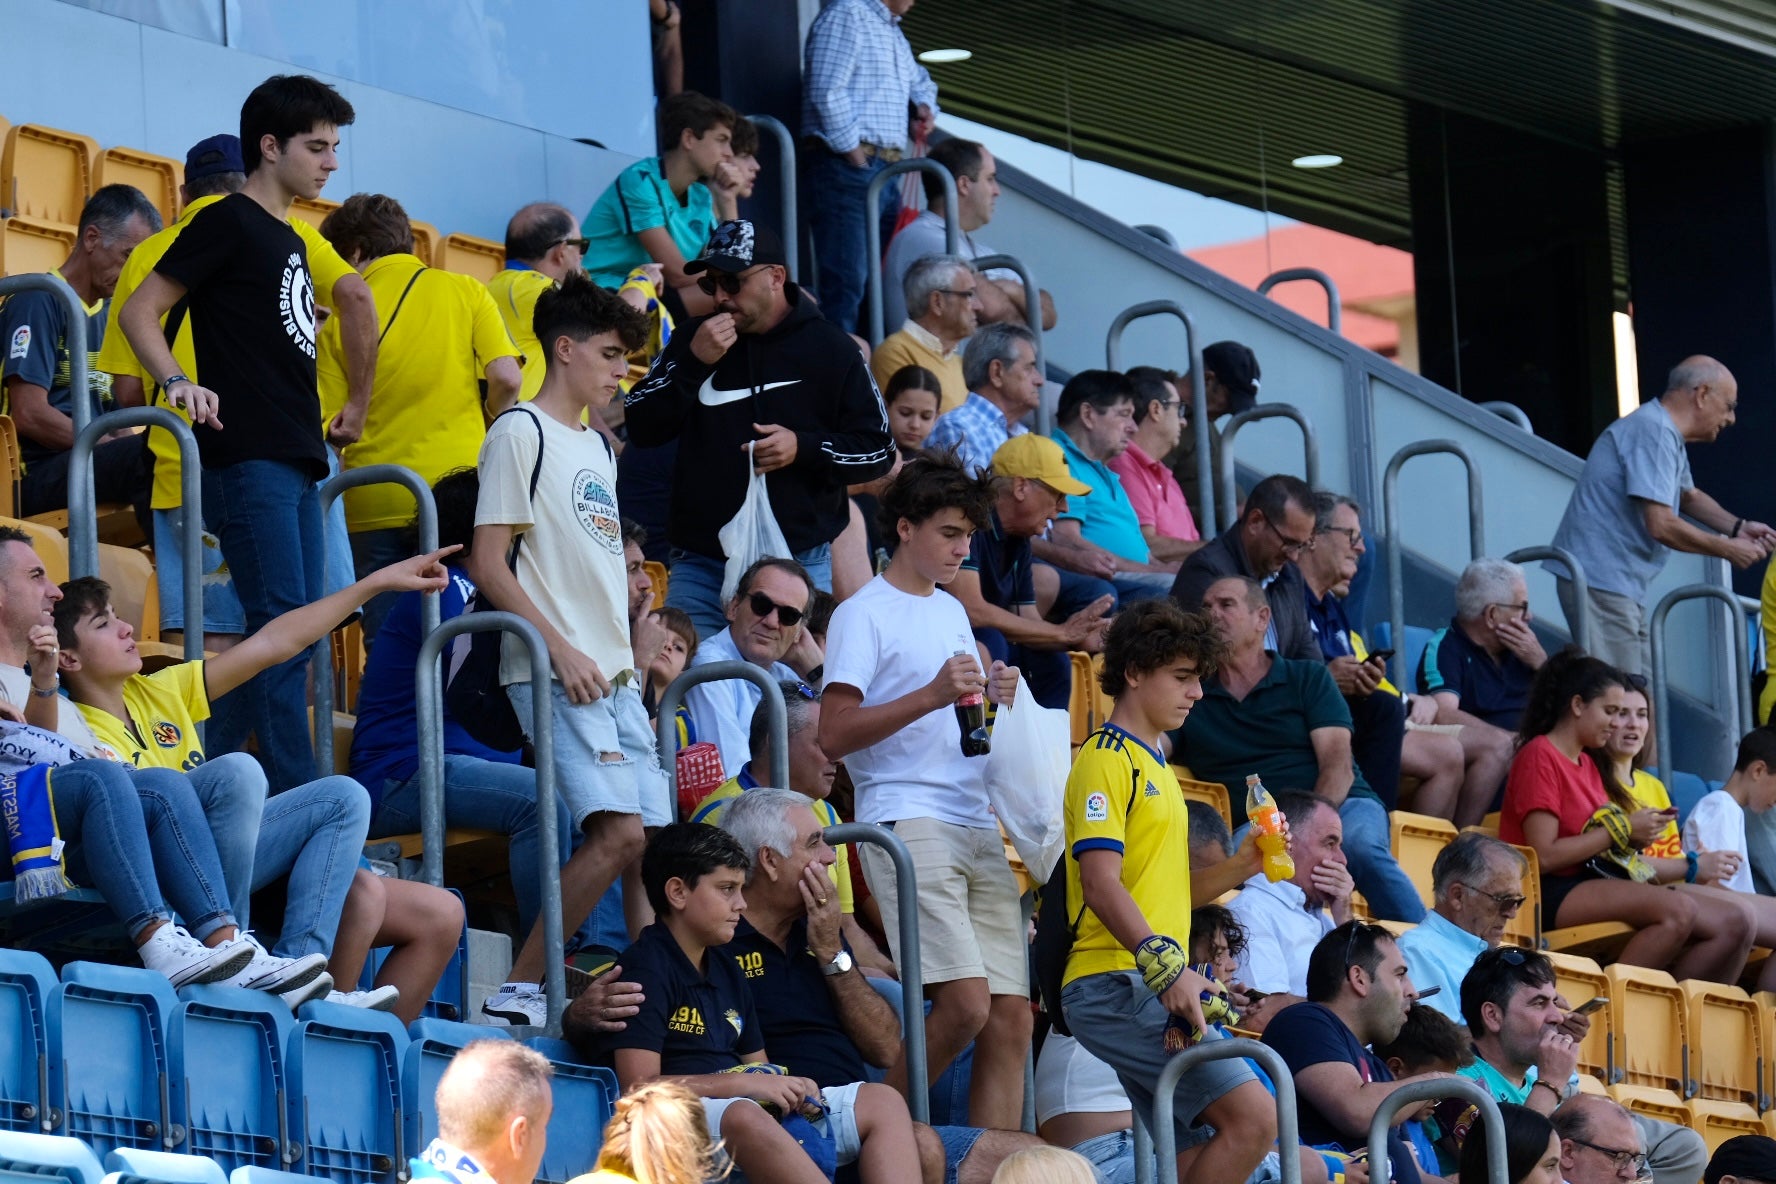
27	803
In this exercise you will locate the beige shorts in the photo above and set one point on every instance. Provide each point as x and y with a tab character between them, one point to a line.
971	921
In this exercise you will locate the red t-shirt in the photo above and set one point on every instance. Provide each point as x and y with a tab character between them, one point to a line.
1543	779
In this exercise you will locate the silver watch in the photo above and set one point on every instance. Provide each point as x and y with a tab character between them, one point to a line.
841	964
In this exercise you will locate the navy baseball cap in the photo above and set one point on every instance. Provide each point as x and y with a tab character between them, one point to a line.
218	154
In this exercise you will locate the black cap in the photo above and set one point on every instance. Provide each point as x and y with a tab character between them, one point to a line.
737	245
1237	368
1750	1157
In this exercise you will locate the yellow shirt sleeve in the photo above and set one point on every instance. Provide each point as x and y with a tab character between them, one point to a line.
325	264
115	354
841	870
1099	792
489	332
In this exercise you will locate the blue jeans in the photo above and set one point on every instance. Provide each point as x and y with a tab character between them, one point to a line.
1132	586
695	584
1368	849
373	549
315	835
486	795
231	790
835	194
268	519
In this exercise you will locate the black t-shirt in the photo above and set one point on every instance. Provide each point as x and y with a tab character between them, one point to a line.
799	1019
252	309
1004	565
697	1023
1309	1034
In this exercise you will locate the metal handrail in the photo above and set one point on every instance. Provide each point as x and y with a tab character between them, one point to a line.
1444	1087
1741	659
786	178
672	698
426	522
872	227
1390	486
912	986
1511	412
1334	306
1581	628
429	693
1032	322
1200	427
1226	499
1165	1139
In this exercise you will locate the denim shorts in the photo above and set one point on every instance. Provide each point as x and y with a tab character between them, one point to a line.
583	732
222	611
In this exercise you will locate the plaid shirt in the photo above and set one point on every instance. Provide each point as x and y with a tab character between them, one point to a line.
860	74
975	430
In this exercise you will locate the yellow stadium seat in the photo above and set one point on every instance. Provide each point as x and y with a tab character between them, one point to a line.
348	664
1770	1123
658	577
51	547
1727	1052
343	724
1490	824
1417	841
1079	697
1591	1085
47	173
1580	980
1525	929
157	176
1602	941
11	463
1211	793
1717	1122
425	240
1661	1104
312	210
1766	1010
468	255
1102	704
1651	1020
31	244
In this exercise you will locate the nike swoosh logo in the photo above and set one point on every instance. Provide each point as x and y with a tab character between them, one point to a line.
713	396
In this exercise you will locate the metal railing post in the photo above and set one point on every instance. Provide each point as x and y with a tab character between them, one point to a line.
1200	427
912	985
1032	312
672	698
427	525
1396	559
872	227
1165	1139
1143	1146
1510	411
1226	499
786	177
1334	306
1741	662
1575	571
429	691
1424	1091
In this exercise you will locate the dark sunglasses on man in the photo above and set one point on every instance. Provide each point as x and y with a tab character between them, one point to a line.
763	606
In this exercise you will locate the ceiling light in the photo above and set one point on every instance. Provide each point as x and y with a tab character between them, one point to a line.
943	57
1318	160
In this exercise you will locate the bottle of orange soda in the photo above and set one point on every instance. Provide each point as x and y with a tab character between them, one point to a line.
1267	820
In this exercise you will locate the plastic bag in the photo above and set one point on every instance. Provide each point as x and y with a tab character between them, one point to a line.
750	535
1027	779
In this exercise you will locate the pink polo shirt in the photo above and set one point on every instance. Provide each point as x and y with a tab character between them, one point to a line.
1155	494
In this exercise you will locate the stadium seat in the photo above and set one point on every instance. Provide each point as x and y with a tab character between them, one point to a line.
1417	841
1211	793
658	577
108	1055
584	1100
343	726
1661	1104
1727	1053
49	543
1080	702
267	1176
46	1159
1717	1122
1765	1002
345	1093
1579	980
130	1166
32	244
157	176
431	1045
11	465
468	255
425	240
348	665
1650	1018
26	980
229	1078
47	173
314	211
1593	1086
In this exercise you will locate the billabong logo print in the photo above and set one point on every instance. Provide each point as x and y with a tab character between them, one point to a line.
296	304
596	508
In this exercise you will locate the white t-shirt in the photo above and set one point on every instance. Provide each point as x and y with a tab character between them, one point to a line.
571	563
1718	824
888	643
15	685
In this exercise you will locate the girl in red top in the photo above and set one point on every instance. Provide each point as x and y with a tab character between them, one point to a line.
1553	792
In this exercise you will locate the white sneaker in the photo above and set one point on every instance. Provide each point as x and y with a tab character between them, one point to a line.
184	960
267	972
377	999
318	987
517	1004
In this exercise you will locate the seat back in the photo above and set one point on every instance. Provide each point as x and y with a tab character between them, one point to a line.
345	1093
1210	793
108	1067
432	1043
314	211
658	576
46	1159
585	1098
1717	1122
50	544
32	244
467	255
1080	700
47	172
1417	840
130	1166
1579	980
1726	1043
131	575
1650	1016
26	980
1525	929
12	466
425	240
229	1078
157	176
1765	1002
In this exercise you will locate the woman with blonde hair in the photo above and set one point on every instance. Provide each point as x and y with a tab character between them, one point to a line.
657	1136
1045	1165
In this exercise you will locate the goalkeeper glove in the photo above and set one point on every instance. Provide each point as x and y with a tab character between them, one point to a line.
1160	961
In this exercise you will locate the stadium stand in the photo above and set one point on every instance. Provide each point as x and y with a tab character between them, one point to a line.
468	255
48	172
229	1075
108	1063
345	1093
157	176
26	979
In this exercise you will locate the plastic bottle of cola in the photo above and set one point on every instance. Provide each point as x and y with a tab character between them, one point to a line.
971	717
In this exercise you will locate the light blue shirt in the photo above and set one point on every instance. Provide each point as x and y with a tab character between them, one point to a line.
723	710
1438	954
1638	458
1106	517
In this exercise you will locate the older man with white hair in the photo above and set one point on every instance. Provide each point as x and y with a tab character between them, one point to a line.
943	310
493	1103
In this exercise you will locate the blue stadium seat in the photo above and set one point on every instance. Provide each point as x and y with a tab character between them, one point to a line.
266	1176
585	1097
345	1093
26	980
432	1043
108	1055
1417	637
227	1049
130	1165
46	1159
449	999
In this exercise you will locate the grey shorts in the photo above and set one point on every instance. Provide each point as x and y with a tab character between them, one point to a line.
1119	1021
583	732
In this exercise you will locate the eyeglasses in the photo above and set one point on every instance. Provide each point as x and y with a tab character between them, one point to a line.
1352	534
582	245
1621	1159
763	606
1292	548
709	281
1517	609
1359	928
1505	901
971	295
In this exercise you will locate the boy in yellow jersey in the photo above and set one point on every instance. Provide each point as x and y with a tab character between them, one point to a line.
1129	886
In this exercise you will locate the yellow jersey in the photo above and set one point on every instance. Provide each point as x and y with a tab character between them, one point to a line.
709	810
1122	797
515	291
1650	792
164	710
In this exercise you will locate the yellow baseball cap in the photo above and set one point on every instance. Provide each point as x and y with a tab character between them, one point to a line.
1037	458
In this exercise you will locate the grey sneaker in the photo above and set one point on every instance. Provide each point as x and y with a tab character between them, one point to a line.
377	999
184	960
318	987
517	1004
267	972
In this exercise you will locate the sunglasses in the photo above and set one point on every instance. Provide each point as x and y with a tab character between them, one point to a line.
582	245
763	606
1505	901
709	281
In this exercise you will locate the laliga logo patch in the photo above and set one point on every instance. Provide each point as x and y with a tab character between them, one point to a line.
596	508
1097	807
167	734
21	342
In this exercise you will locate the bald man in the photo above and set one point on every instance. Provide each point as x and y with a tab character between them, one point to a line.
1599	1141
1624	517
493	1105
543	244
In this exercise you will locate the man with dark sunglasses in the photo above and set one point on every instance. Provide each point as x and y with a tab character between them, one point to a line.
764	628
764	385
1276	530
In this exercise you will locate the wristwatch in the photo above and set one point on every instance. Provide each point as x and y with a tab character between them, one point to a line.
841	964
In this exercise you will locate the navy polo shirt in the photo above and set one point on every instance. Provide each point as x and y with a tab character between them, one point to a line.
1331	628
1493	690
1003	563
698	1022
795	1006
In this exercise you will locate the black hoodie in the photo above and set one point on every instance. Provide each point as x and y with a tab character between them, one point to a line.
805	374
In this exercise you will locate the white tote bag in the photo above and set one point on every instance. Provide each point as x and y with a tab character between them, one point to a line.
1027	779
750	535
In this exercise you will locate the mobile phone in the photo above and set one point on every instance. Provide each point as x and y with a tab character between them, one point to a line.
1597	1003
1428	992
1253	996
1379	656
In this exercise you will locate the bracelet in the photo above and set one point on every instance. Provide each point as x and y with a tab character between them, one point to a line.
1558	1096
51	693
1692	864
1738	525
